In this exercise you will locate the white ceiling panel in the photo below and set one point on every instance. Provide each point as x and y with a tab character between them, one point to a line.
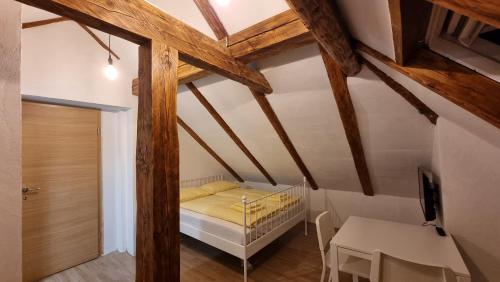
370	22
186	11
240	14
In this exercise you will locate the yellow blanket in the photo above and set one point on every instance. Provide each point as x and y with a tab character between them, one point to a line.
281	199
253	208
220	207
227	205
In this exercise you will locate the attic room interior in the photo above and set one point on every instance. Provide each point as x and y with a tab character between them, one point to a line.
250	140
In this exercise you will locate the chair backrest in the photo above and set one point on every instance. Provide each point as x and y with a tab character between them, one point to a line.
325	229
386	268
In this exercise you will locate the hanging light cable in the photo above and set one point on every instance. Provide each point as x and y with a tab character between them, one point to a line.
110	71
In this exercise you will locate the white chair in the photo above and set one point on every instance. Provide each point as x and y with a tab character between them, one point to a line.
355	266
386	268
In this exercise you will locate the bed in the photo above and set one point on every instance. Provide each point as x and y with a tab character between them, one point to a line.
264	216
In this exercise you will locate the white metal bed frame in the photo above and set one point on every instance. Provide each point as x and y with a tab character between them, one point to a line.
266	229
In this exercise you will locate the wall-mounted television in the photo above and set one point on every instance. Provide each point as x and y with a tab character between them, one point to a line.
429	197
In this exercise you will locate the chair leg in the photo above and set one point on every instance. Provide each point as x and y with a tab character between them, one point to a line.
355	278
323	274
330	276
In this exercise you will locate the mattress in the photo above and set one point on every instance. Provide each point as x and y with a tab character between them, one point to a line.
218	227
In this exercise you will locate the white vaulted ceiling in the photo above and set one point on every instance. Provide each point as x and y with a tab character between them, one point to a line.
396	138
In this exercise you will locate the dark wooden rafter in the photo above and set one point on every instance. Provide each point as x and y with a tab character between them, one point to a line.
409	21
212	19
139	21
404	92
338	81
271	115
280	130
213	112
98	40
277	34
466	88
44	22
326	26
157	236
205	146
486	11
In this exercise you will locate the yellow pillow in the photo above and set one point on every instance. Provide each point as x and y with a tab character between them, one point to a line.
191	193
219	186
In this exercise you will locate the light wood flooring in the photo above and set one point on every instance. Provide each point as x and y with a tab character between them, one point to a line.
293	257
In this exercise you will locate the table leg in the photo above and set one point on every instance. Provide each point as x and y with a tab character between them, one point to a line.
334	272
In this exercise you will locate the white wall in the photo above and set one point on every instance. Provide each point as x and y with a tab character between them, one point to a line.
470	181
10	142
195	162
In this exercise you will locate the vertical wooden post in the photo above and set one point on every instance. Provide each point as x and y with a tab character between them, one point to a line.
157	166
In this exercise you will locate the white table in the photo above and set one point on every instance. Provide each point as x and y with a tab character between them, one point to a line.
360	237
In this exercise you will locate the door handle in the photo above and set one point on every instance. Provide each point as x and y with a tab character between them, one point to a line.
28	190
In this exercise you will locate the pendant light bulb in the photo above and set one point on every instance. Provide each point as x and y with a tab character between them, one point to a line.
110	71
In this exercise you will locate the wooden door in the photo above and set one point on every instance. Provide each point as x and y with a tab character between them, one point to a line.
61	151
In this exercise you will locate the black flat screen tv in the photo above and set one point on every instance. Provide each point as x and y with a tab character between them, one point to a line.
427	194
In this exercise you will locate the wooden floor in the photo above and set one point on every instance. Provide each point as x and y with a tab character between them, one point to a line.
293	257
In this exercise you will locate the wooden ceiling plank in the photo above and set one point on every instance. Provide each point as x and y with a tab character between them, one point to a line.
403	92
138	21
486	11
157	169
205	146
409	21
213	112
212	19
44	22
326	26
464	87
338	81
98	40
280	130
277	34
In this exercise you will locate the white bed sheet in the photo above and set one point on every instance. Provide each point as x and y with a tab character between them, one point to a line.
225	229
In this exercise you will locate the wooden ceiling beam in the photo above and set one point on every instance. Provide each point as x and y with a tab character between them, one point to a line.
403	92
326	26
270	37
138	21
98	40
464	87
205	146
213	112
338	81
212	19
486	11
280	130
409	21
44	22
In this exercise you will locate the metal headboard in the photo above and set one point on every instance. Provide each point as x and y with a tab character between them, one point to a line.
200	181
